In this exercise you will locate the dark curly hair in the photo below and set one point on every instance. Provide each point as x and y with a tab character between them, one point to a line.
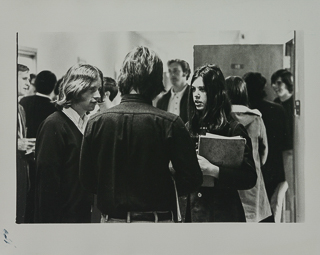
286	78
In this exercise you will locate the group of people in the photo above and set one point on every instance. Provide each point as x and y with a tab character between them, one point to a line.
139	158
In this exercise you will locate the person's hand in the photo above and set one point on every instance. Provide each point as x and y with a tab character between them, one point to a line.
26	144
208	168
171	168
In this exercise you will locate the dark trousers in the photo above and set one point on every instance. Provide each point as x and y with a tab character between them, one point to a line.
30	203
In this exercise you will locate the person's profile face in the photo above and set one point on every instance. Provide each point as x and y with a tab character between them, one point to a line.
32	89
90	98
23	83
280	88
176	74
199	94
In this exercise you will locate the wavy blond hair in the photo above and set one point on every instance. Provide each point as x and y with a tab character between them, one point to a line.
77	81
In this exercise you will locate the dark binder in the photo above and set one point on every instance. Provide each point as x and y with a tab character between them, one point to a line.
221	151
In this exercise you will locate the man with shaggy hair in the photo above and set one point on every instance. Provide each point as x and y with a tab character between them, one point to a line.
59	196
126	150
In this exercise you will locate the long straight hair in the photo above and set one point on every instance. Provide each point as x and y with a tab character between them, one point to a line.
217	110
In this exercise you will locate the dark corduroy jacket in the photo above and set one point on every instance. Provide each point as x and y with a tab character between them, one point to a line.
163	103
222	203
125	158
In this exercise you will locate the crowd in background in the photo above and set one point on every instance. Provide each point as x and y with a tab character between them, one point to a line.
138	160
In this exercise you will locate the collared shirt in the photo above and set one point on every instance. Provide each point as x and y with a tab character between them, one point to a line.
76	119
174	101
43	95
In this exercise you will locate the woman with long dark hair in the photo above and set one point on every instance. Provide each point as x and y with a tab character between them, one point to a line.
209	111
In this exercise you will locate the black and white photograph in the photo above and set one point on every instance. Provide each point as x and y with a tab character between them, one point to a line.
128	133
203	129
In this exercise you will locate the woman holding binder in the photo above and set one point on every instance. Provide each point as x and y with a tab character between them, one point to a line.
255	201
209	112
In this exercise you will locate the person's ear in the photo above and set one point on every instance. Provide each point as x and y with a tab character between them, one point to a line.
107	94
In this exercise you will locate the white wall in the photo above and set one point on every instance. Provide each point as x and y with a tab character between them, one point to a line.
59	51
55	52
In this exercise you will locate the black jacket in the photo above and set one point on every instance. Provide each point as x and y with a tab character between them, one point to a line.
274	118
23	182
60	198
125	158
222	203
288	106
37	109
163	103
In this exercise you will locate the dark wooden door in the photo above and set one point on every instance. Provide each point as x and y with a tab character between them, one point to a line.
240	59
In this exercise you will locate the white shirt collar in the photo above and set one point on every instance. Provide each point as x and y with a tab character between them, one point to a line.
244	109
180	93
75	118
42	95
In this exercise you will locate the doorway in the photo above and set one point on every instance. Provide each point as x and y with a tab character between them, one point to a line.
238	59
28	57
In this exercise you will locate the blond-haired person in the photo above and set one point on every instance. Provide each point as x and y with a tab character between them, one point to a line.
60	197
